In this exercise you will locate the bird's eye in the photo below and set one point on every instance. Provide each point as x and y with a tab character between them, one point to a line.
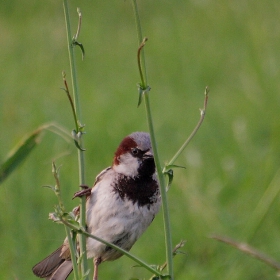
135	151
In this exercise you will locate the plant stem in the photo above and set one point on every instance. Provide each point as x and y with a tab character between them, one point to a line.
124	252
259	213
166	219
140	40
245	248
202	115
61	208
72	251
82	238
145	87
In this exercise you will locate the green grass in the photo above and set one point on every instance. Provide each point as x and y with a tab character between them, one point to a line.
231	46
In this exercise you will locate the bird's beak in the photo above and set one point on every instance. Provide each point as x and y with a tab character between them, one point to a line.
148	155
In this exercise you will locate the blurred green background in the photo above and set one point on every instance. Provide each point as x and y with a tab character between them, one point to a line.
231	181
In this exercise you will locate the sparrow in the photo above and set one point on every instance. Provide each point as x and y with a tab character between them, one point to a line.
121	205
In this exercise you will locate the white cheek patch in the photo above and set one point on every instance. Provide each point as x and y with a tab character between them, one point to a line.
128	165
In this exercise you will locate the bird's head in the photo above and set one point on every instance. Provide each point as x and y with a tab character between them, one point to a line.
134	156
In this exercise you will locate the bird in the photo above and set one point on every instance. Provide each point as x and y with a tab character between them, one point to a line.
120	206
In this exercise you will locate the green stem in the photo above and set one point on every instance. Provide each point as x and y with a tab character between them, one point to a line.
166	218
81	160
140	59
55	172
72	251
71	101
259	213
167	228
124	252
202	115
140	40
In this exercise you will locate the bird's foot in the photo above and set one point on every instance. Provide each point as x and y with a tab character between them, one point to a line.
86	191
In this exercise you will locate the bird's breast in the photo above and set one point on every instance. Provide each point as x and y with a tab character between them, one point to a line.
116	214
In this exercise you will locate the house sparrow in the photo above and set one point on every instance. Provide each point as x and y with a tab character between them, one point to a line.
122	203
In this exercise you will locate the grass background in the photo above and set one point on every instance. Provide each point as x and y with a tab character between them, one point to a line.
230	185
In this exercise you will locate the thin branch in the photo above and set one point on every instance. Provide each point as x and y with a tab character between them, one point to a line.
175	252
71	101
202	115
79	25
247	249
60	211
259	213
143	84
124	252
140	39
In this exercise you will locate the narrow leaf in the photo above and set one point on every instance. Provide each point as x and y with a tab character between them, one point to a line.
169	173
19	153
76	43
173	166
140	92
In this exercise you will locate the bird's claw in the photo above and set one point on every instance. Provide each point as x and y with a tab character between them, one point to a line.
86	191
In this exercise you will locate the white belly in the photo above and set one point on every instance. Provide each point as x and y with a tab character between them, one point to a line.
115	220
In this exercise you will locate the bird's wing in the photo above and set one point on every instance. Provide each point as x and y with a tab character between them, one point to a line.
101	175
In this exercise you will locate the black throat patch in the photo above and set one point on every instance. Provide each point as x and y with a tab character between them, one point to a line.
142	189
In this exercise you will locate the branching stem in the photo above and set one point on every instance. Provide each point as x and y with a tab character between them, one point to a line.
81	160
144	90
124	252
202	115
61	210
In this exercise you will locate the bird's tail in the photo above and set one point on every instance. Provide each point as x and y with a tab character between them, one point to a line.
54	266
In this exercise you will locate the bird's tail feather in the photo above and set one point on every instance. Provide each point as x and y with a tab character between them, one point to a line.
62	271
53	267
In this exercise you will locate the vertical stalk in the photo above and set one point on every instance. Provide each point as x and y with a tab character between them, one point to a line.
140	39
145	88
72	251
166	218
82	238
61	211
